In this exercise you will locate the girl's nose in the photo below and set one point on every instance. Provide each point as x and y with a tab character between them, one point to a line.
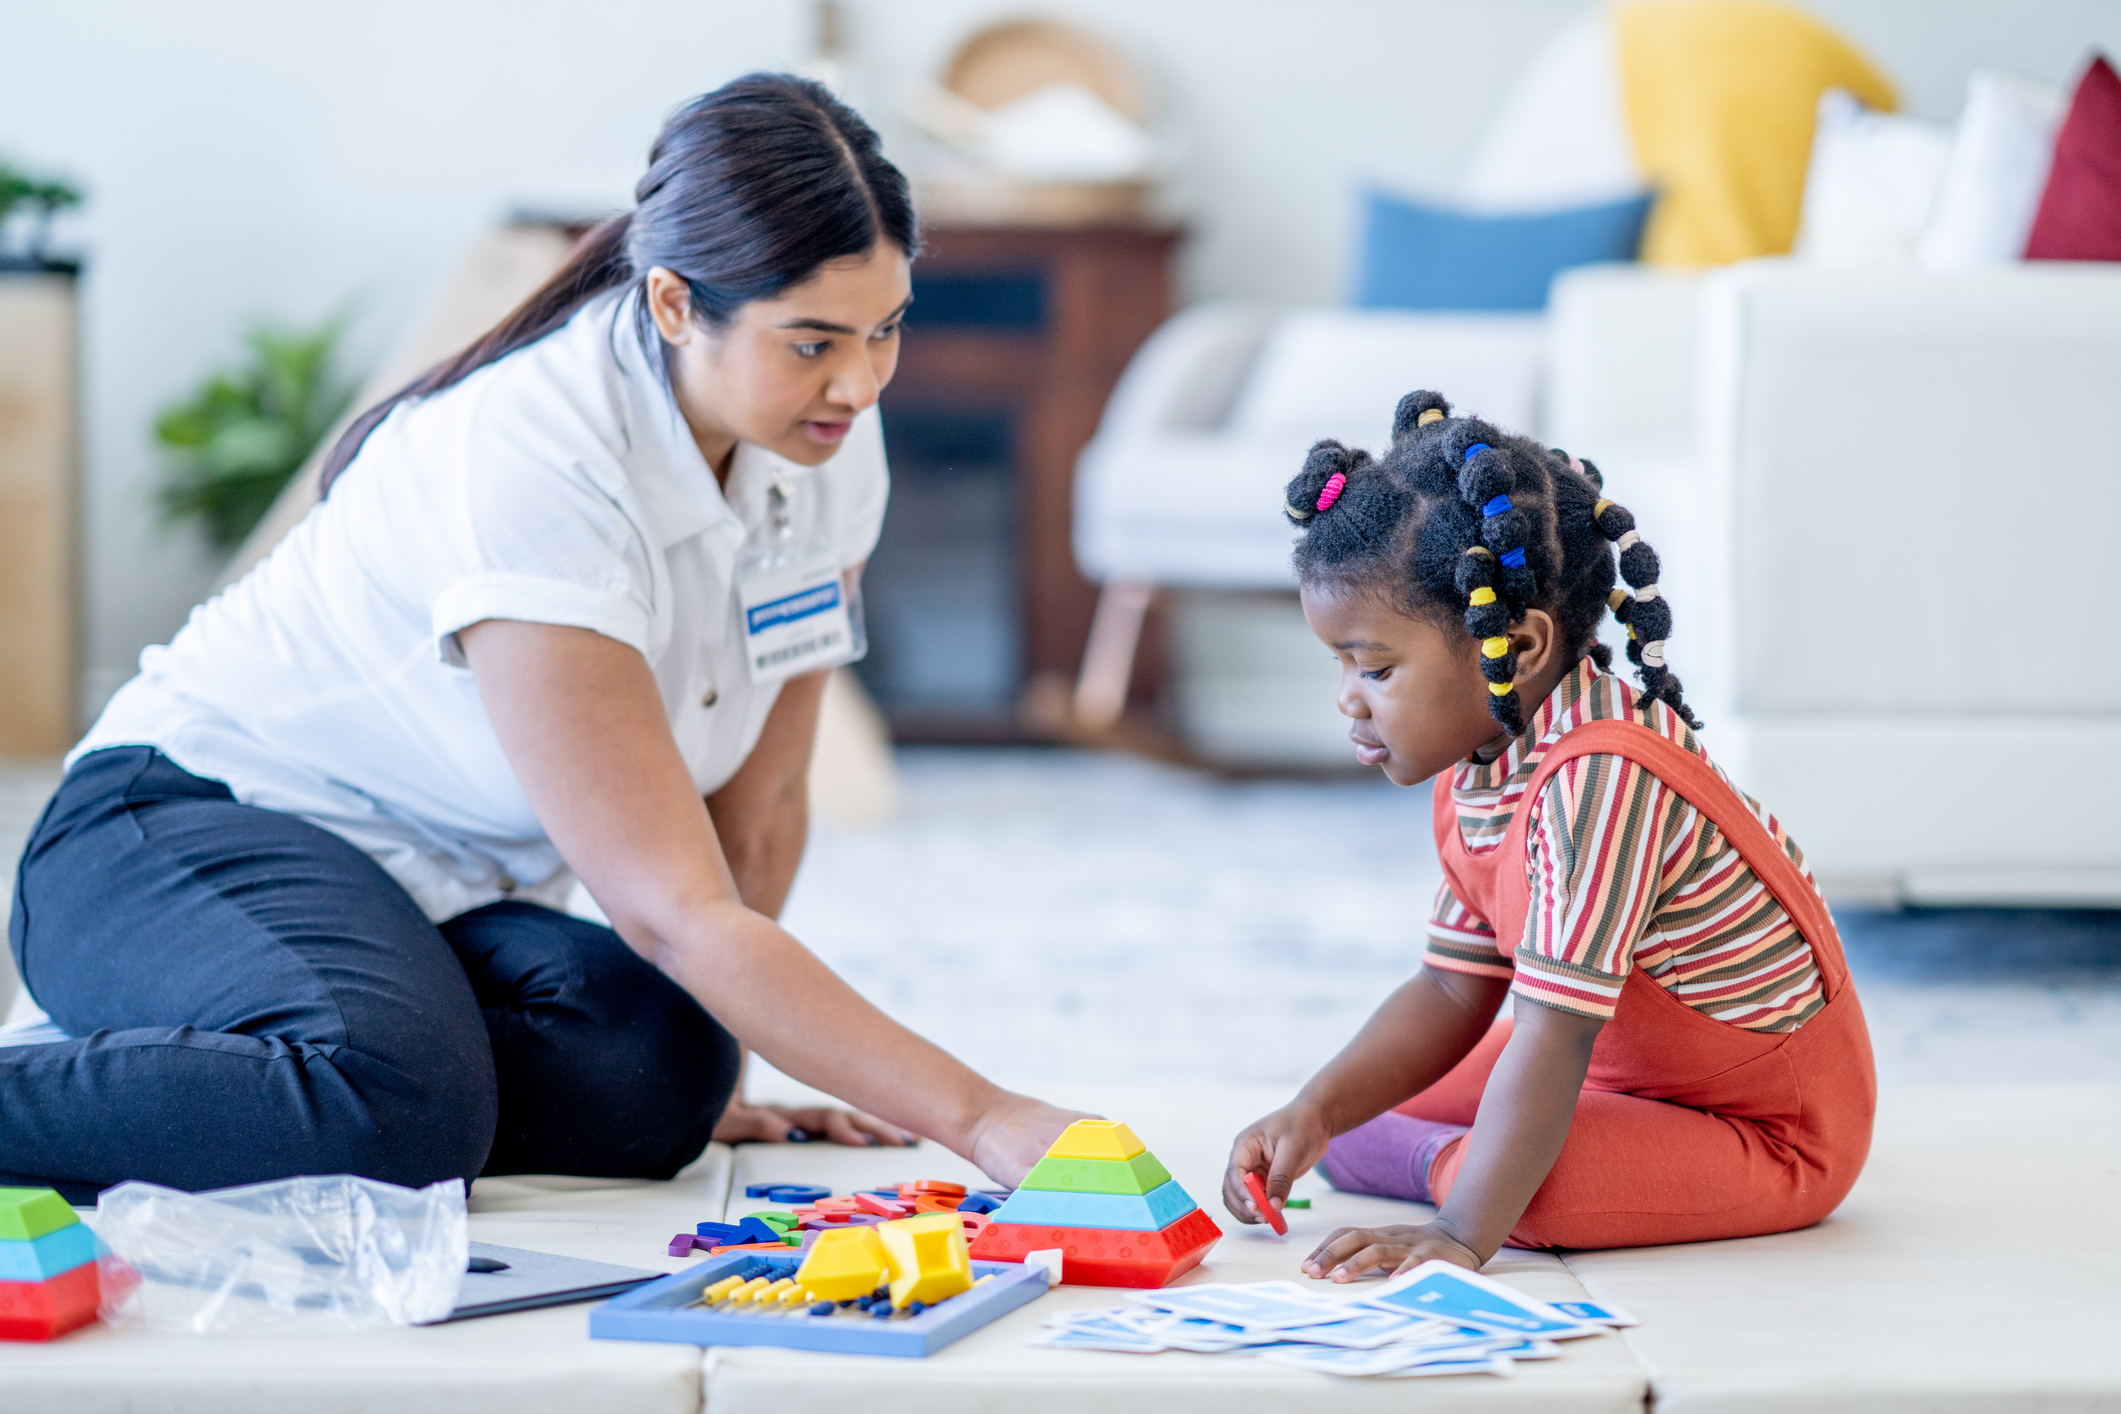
1351	702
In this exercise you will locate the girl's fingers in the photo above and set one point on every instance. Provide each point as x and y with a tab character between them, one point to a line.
1374	1255
1339	1243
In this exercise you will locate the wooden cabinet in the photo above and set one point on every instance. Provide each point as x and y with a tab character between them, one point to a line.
39	605
1027	330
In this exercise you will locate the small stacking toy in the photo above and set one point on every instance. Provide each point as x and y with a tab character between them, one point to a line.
1115	1213
48	1282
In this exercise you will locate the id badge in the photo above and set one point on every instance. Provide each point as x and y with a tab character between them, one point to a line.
799	617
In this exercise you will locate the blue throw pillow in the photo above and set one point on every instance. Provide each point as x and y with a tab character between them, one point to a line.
1417	256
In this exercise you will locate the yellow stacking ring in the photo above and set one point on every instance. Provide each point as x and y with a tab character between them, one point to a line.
1495	647
1481	596
1502	689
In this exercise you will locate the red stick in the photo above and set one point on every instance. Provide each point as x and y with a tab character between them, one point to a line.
1257	1187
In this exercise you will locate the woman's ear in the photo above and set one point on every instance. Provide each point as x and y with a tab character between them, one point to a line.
1536	640
670	305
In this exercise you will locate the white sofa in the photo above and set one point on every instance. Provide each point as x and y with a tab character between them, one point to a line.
1883	497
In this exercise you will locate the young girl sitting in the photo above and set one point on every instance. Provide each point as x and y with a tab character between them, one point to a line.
1685	1058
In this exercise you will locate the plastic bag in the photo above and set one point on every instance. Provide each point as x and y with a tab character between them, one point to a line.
314	1253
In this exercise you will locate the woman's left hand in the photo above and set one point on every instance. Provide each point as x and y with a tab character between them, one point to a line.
776	1124
1349	1252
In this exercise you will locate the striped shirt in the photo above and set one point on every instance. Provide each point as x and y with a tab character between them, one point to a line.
1623	874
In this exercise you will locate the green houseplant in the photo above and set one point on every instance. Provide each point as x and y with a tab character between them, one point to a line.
232	446
21	192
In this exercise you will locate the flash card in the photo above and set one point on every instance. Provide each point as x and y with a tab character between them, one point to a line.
1452	1293
1598	1313
1260	1306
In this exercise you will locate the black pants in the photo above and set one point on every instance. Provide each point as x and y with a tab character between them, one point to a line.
257	999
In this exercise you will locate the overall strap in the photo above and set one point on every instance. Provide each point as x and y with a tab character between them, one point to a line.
1700	786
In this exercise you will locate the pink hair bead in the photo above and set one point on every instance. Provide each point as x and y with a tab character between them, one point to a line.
1330	492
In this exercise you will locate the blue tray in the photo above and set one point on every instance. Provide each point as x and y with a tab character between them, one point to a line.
663	1310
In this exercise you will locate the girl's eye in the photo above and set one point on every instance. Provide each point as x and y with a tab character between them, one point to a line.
1375	674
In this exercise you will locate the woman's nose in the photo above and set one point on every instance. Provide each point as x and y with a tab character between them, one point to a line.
855	384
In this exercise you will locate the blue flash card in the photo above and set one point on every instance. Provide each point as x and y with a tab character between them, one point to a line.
1264	1305
1451	1293
1598	1313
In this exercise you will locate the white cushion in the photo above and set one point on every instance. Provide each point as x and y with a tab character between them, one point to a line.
2000	154
1341	372
1562	136
1872	180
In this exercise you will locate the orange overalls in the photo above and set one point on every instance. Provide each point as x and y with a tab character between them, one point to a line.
1688	1128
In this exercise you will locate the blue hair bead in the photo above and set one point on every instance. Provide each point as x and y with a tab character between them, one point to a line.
1477	447
1496	507
1514	558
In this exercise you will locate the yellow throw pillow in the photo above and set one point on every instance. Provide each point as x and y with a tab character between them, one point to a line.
1720	97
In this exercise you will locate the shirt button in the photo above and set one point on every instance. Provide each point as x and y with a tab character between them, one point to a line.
711	698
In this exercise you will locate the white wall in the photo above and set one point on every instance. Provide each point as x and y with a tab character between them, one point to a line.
249	159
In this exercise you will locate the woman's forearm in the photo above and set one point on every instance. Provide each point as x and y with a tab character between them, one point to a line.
782	1002
1409	1043
1522	1123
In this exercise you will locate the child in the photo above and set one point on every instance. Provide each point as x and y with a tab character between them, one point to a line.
1687	1059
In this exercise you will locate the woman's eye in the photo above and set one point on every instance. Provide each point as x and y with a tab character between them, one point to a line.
811	350
889	331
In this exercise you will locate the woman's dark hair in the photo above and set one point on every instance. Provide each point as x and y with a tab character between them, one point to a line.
749	190
1462	523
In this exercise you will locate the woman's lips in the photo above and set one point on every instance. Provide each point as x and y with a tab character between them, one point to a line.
827	431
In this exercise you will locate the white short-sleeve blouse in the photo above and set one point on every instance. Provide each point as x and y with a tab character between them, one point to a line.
559	485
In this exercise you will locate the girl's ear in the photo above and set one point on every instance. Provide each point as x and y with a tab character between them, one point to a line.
1536	638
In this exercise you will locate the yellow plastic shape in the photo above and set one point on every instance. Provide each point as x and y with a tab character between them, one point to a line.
930	1260
1096	1139
845	1263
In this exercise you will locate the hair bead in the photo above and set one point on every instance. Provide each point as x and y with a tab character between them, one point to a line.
1645	594
1476	447
1502	689
1495	647
1653	654
1429	416
1496	507
1481	597
1598	511
1514	558
1294	513
1615	599
1330	492
1480	550
1628	541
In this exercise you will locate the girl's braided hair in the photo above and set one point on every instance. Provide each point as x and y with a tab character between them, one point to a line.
1461	522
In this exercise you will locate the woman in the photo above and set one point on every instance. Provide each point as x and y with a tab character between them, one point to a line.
563	613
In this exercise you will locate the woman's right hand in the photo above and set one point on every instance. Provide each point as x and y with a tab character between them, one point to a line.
1015	1133
1282	1148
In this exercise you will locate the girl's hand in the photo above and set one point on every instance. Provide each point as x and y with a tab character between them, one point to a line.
776	1124
1282	1147
1015	1134
1349	1252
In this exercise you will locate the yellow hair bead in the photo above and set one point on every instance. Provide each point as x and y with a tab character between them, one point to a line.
1495	647
1429	416
1616	599
1481	596
1600	509
1502	689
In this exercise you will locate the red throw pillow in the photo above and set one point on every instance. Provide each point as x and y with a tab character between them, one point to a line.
2080	210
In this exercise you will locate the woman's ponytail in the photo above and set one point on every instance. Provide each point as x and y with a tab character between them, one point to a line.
597	263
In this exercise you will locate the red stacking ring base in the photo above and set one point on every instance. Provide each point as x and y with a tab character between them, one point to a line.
1100	1256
